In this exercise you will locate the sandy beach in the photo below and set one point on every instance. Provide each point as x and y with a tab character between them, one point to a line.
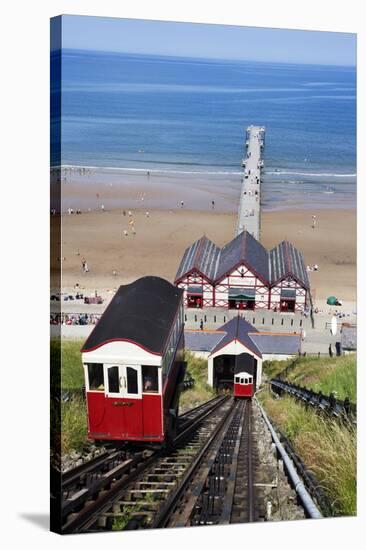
162	237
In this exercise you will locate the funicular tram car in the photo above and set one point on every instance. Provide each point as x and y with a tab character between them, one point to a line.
134	363
243	385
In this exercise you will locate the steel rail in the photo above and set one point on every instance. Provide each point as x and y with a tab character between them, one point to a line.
216	437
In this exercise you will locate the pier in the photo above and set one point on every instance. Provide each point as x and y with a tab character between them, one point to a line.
249	214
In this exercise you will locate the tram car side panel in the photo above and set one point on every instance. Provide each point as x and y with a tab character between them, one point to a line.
172	379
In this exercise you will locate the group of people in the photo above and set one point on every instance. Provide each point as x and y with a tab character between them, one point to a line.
74	319
71	211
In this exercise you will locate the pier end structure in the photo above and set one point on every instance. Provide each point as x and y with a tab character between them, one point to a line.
249	213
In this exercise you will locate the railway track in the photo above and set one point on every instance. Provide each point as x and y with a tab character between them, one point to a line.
219	487
87	489
210	476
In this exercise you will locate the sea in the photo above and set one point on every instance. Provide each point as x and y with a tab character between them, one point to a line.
185	118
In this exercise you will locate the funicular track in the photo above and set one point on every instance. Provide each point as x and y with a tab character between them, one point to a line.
219	486
89	488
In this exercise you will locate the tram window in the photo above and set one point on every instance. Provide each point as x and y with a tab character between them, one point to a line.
242	380
95	376
237	380
132	385
246	381
150	383
113	380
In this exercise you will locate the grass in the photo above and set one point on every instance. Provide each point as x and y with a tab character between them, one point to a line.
69	421
327	447
326	374
73	426
201	391
127	512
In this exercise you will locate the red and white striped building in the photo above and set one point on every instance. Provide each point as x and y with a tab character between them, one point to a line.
243	275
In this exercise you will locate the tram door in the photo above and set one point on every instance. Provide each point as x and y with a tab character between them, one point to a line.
124	401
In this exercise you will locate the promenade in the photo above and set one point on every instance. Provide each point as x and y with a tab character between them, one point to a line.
249	213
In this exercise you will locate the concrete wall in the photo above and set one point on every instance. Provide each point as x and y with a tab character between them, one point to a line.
276	357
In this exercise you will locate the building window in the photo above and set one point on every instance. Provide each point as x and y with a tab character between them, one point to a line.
95	377
150	381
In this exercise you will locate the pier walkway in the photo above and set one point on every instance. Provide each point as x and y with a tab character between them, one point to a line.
249	214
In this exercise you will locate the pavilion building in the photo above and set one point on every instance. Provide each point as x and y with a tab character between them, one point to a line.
244	275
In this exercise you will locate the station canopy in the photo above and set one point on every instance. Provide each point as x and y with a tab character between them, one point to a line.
244	294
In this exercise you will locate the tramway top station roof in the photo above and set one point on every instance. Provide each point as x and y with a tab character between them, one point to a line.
271	266
142	312
239	329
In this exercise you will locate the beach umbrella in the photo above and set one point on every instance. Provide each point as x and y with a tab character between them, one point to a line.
332	301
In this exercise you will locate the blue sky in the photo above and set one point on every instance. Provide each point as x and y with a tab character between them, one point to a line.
208	41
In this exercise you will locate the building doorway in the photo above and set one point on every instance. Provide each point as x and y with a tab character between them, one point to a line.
242	298
288	300
195	297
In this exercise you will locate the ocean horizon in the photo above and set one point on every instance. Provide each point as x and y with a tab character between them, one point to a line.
184	117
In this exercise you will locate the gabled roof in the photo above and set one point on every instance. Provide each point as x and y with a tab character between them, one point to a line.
279	344
214	263
244	249
200	340
203	255
286	260
238	329
142	312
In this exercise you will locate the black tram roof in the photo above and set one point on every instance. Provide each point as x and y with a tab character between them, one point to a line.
142	312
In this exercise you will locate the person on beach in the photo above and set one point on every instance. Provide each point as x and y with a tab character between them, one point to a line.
83	262
147	214
313	224
125	232
124	212
102	207
130	213
213	205
182	204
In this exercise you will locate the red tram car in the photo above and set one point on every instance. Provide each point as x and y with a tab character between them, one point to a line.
243	385
134	363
